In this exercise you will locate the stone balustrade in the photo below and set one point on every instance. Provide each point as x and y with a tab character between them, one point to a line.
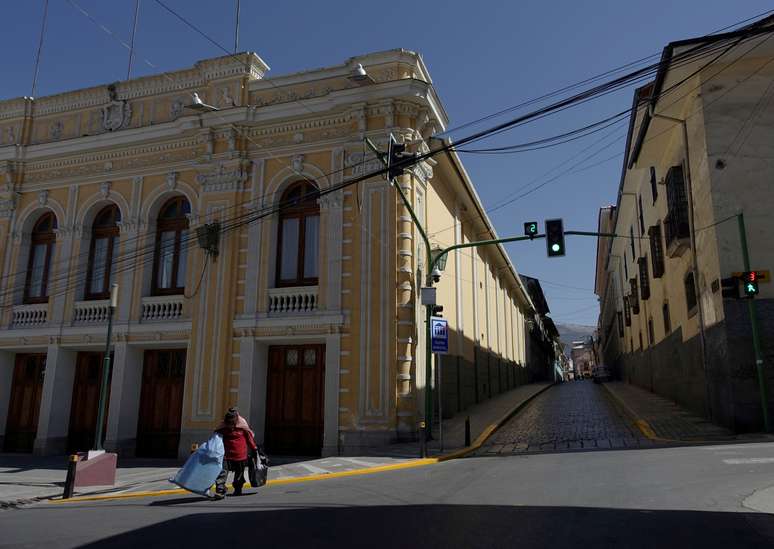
162	308
28	316
91	312
300	299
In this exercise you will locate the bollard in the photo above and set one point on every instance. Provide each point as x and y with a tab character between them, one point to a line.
467	431
422	440
194	447
70	480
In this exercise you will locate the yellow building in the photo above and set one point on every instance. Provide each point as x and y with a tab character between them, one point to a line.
308	319
698	153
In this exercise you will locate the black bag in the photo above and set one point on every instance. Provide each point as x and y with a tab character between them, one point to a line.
257	467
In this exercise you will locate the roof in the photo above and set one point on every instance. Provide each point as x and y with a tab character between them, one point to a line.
759	27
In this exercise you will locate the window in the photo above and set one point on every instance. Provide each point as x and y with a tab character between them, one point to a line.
651	334
619	314
640	334
642	219
634	299
39	263
171	256
626	267
653	184
627	311
298	246
690	293
676	222
667	320
631	241
656	250
104	244
644	280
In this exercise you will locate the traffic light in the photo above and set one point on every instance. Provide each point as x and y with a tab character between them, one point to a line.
531	229
554	237
397	158
750	281
730	287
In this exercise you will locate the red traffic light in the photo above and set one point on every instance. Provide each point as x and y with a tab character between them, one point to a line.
751	276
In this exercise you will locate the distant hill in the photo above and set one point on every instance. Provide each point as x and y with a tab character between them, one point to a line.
573	332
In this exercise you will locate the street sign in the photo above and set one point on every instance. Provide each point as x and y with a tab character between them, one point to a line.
440	335
427	295
531	229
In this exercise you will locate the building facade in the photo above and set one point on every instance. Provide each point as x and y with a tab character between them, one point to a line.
698	153
307	318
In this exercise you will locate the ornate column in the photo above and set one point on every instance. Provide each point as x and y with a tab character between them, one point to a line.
406	314
55	401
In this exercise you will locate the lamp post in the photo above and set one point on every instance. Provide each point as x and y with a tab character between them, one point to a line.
105	368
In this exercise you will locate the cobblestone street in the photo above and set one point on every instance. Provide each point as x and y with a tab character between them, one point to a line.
575	415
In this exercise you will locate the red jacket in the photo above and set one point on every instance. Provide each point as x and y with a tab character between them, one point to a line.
237	441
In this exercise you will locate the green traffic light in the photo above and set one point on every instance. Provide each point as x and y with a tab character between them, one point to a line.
555	247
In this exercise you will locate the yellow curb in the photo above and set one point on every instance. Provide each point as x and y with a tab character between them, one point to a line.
492	427
641	424
480	440
648	431
275	482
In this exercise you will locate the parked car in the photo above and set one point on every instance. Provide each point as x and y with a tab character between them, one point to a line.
600	373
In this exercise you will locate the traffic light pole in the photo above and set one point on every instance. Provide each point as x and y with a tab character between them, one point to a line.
762	389
433	261
428	412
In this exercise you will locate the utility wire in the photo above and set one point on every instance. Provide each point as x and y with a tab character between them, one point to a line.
378	172
591	79
40	49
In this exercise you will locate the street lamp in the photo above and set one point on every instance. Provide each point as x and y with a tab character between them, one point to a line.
199	105
360	77
438	261
105	368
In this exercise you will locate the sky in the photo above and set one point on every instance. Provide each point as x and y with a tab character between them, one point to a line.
483	57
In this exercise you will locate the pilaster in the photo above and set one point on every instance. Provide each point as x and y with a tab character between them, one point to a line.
55	401
124	408
6	378
406	313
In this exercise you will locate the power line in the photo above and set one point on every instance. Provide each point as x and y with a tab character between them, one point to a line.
248	218
590	79
40	49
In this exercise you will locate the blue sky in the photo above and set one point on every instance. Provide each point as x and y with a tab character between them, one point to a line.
483	56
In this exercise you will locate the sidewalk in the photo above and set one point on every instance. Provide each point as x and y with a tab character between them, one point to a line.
26	479
666	419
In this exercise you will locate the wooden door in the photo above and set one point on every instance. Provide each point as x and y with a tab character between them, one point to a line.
89	369
24	407
294	407
161	403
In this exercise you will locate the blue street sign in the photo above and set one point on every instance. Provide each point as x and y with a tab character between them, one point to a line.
440	335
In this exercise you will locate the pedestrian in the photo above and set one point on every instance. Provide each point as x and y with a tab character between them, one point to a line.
238	441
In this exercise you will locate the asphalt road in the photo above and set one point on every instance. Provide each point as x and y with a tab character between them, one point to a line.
667	497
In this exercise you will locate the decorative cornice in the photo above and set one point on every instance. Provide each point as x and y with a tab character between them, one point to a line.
226	176
219	68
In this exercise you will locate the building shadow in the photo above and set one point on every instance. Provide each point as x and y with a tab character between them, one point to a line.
468	526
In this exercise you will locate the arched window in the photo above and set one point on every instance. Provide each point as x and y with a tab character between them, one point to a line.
104	245
41	250
171	256
298	246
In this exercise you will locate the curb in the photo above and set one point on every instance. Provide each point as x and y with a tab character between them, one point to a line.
422	462
641	423
647	430
486	433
